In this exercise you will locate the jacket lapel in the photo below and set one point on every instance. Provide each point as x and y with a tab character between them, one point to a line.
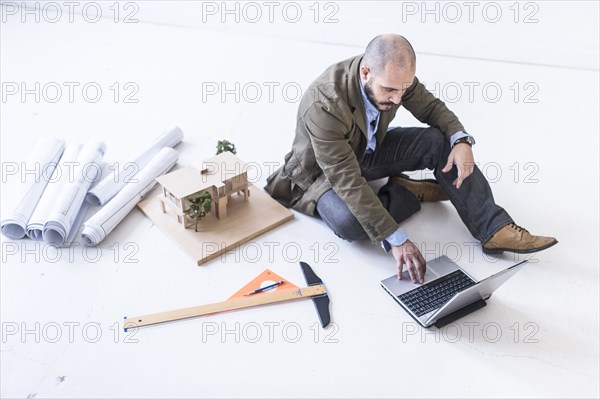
355	96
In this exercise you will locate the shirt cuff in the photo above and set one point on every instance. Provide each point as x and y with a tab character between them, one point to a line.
396	239
459	135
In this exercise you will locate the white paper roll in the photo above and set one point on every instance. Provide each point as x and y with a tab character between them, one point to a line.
106	219
59	179
35	174
114	182
86	171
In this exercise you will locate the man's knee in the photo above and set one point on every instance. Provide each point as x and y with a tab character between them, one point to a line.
436	138
339	218
439	146
349	229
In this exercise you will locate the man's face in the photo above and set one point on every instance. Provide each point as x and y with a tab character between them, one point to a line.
386	89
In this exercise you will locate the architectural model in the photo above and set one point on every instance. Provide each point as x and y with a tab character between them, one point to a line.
221	176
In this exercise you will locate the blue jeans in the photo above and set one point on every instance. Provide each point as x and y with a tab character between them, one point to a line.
410	149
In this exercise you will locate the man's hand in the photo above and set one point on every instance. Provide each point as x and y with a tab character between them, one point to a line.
409	254
461	156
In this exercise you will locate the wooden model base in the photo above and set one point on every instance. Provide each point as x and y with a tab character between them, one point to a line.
245	220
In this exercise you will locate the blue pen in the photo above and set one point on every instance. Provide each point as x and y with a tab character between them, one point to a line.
265	288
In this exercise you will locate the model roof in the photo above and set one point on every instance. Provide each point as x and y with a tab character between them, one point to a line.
189	180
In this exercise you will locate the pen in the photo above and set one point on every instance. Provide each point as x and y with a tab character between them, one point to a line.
265	288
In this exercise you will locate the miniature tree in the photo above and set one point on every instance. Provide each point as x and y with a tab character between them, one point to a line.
199	207
224	145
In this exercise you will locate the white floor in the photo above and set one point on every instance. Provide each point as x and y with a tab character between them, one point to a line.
61	310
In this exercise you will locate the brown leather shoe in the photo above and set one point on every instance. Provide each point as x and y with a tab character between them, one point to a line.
514	238
427	190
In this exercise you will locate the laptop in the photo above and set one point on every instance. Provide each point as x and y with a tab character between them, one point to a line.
448	292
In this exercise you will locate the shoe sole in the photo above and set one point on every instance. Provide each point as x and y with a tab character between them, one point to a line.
497	251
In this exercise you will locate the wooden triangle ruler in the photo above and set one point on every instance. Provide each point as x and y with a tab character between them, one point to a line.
281	293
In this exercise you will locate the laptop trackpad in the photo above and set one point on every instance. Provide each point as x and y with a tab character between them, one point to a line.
430	274
399	287
435	268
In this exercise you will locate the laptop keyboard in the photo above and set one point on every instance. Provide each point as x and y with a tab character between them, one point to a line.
433	295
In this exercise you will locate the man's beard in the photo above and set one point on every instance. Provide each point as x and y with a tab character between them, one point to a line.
381	106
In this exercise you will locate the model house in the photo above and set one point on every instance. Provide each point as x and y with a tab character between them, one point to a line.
221	176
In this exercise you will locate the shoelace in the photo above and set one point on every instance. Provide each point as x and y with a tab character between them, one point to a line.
518	228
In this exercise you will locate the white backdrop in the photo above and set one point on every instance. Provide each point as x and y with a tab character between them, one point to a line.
557	33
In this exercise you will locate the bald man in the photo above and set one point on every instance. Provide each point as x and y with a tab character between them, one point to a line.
343	140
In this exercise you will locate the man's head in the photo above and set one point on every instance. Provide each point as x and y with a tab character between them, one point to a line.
387	70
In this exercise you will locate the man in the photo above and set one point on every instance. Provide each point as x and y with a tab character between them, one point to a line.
342	141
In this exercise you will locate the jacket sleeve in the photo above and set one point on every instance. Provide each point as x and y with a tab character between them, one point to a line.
430	110
333	152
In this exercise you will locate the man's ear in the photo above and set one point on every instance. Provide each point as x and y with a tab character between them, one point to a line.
365	73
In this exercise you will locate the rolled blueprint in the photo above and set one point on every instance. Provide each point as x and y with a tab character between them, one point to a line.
106	219
35	174
114	182
67	207
60	178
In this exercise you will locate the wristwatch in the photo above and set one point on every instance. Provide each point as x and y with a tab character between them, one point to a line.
466	139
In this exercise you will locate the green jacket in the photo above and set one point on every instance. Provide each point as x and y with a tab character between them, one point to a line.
330	141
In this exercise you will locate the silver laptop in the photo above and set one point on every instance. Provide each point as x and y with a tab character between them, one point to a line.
447	293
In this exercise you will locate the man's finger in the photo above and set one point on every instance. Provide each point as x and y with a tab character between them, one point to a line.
449	164
422	269
411	270
418	269
460	170
422	259
400	267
